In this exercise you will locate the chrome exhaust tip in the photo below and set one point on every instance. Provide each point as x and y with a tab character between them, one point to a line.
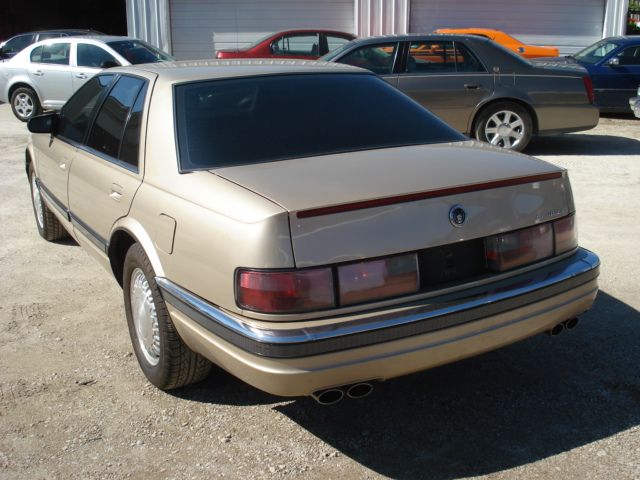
359	390
556	330
330	396
571	323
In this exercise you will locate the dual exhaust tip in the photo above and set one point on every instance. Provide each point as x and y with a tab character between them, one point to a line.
561	327
331	396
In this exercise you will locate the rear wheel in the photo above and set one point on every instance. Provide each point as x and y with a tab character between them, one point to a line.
164	358
25	104
506	125
49	227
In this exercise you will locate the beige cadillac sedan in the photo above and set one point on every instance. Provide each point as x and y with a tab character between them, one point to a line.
303	225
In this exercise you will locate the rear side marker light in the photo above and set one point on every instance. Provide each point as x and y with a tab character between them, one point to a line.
565	233
588	85
378	279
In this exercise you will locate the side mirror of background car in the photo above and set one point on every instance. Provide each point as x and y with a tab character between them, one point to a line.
46	123
109	64
613	62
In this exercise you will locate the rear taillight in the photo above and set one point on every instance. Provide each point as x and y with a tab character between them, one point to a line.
378	279
588	85
285	291
514	249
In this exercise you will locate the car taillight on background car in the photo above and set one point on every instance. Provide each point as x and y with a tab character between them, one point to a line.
521	247
588	85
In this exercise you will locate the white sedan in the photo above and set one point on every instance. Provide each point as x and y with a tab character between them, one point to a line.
45	74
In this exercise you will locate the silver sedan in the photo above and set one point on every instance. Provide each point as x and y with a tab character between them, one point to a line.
45	74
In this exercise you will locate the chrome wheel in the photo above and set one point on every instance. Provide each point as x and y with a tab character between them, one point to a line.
24	105
505	129
145	317
37	202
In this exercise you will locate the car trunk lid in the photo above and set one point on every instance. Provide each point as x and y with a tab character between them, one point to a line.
380	202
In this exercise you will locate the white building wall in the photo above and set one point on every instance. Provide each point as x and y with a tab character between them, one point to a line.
151	20
381	17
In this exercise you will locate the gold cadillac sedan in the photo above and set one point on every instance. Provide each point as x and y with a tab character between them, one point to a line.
305	226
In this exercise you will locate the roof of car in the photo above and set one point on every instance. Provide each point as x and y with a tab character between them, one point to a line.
418	36
190	70
624	39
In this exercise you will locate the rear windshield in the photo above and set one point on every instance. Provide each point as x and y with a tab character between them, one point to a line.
261	119
137	51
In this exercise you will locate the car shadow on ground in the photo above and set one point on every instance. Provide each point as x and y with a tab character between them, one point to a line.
497	411
507	408
583	144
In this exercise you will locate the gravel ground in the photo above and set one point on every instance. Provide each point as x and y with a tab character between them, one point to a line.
74	404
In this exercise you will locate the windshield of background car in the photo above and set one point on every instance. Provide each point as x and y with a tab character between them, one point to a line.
596	52
262	119
136	51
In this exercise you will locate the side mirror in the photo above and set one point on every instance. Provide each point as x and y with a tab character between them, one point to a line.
613	62
109	64
46	123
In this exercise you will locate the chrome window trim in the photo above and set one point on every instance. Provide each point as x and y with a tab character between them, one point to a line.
422	317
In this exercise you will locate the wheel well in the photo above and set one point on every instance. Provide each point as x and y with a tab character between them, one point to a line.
525	105
119	245
13	88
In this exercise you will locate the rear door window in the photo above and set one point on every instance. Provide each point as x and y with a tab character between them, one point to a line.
54	54
431	57
93	56
466	61
108	130
296	45
78	111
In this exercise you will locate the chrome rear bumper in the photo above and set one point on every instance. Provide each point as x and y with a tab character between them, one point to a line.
300	358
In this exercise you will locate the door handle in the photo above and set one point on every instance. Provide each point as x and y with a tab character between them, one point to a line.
116	192
81	76
38	73
63	166
471	86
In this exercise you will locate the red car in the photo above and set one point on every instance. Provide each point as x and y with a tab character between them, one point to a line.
303	44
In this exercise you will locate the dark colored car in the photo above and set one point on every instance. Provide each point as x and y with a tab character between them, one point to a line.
614	66
302	44
478	86
19	42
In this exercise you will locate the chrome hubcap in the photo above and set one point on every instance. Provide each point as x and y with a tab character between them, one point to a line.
505	129
23	104
37	202
145	318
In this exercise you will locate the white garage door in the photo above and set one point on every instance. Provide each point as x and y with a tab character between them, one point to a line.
198	27
568	24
